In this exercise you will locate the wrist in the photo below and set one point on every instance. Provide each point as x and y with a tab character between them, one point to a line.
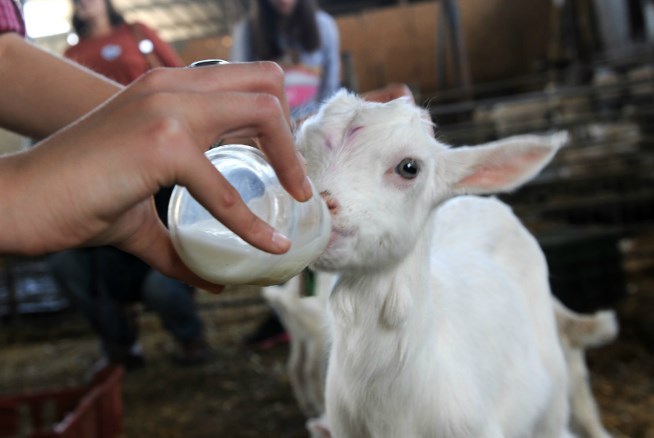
25	216
11	237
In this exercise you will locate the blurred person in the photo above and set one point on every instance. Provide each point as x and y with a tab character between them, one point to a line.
104	282
114	48
302	39
305	42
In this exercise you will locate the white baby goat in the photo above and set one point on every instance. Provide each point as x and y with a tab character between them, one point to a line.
442	317
577	333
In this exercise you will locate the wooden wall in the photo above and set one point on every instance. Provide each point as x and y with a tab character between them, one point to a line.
204	48
505	38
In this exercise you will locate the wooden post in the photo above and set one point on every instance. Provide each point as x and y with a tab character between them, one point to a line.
451	22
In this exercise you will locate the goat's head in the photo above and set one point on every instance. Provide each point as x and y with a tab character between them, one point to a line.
382	172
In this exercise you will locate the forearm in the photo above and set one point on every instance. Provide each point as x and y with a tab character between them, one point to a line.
42	92
14	216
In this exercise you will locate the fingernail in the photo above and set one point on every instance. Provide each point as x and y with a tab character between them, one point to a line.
307	191
280	241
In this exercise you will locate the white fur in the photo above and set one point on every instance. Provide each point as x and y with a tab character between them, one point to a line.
577	333
305	320
318	427
442	317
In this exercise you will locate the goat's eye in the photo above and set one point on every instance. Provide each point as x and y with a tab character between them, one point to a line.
408	168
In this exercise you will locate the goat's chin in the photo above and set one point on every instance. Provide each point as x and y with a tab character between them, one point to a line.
328	261
324	265
338	256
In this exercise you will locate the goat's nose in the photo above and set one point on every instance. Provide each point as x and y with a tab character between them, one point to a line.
332	204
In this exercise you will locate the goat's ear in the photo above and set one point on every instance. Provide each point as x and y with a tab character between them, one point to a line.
502	165
332	117
338	110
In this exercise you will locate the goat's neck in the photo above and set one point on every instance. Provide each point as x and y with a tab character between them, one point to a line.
386	297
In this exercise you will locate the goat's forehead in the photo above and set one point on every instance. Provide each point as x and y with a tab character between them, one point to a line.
375	127
378	116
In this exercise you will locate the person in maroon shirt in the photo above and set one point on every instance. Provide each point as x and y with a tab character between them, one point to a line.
112	47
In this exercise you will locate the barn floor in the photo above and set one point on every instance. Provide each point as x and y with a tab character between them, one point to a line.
239	393
244	393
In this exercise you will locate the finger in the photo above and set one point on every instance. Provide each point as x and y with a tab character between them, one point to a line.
257	77
388	93
214	115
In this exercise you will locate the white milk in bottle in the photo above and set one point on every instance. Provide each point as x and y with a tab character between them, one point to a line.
218	255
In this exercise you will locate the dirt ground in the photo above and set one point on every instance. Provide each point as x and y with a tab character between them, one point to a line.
239	393
245	393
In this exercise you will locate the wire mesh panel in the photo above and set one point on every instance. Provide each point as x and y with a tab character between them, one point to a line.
598	191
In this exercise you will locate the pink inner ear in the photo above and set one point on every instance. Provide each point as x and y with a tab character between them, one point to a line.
483	177
506	172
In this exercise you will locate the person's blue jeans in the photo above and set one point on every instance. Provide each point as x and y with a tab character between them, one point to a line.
104	283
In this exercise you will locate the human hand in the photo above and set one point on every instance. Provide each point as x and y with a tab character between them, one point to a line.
388	93
91	183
